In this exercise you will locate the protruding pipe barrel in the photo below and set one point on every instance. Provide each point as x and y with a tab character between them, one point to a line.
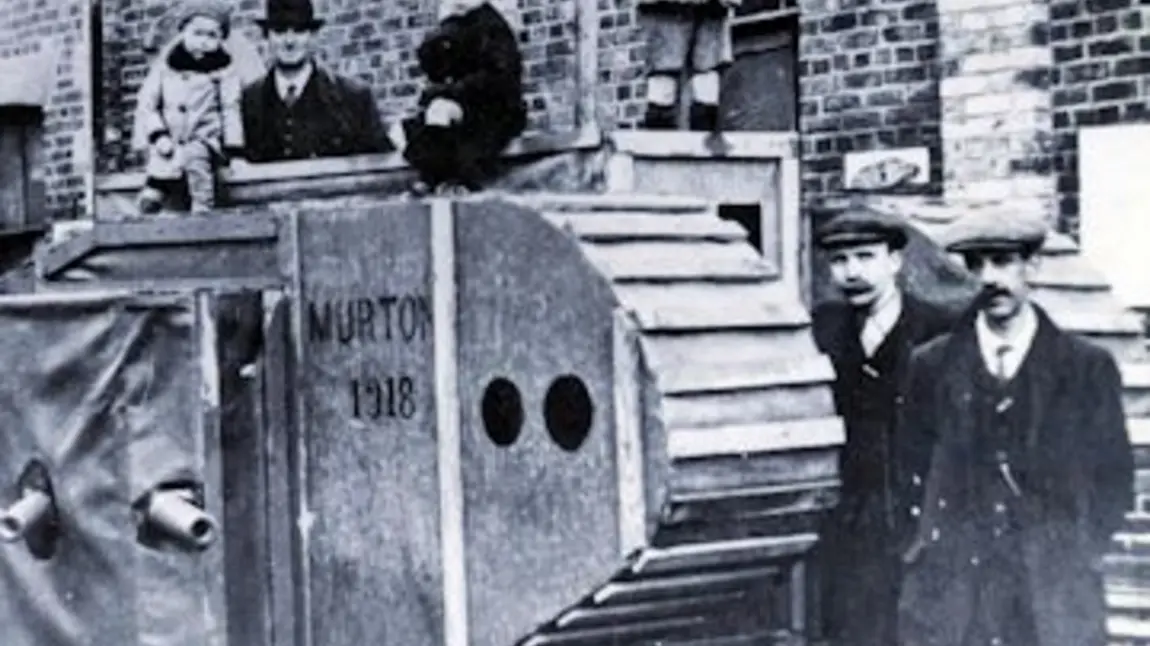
29	511
174	513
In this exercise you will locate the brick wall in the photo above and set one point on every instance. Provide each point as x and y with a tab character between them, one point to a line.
1101	53
622	61
374	41
868	80
32	26
997	125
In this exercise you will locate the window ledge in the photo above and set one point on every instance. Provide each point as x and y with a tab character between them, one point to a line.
335	167
693	145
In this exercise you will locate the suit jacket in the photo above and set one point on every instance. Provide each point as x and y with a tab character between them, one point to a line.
1075	477
333	117
871	453
860	567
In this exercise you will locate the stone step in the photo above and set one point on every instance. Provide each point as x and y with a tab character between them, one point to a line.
1124	597
1058	299
615	227
1069	271
745	407
1059	244
755	438
1123	627
1125	348
678	261
740	375
717	347
715	472
1136	387
1108	322
734	553
699	305
611	202
1139	430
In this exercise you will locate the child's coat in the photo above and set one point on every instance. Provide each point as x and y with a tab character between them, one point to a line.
191	101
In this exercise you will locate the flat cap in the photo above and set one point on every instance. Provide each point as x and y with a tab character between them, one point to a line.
995	229
859	224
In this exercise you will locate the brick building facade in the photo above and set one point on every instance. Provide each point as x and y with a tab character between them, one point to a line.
58	29
994	88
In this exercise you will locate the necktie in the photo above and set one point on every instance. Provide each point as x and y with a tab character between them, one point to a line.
1000	368
290	95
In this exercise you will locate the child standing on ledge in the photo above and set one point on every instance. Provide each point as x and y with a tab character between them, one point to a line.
690	35
188	118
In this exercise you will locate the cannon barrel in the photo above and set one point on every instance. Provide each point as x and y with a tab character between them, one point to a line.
174	514
32	509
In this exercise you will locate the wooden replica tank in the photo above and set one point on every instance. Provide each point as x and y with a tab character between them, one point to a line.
583	417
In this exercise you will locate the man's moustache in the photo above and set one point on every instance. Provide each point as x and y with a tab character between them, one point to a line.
857	288
989	292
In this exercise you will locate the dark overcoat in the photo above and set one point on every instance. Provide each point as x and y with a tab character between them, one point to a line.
1075	477
333	117
474	60
858	559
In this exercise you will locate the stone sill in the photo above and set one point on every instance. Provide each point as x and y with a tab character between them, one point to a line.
567	162
677	144
310	169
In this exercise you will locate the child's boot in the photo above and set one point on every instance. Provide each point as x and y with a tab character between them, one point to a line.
150	200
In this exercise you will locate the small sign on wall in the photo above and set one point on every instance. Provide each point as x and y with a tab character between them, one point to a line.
876	170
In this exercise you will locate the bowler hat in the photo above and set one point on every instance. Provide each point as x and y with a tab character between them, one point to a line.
995	229
299	14
857	225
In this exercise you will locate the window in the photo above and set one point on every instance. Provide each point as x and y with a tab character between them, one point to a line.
760	88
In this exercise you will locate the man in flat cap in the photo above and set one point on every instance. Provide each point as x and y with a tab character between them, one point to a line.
1031	468
300	110
869	337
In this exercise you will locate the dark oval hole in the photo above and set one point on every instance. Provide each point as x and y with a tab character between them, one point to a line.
502	411
567	410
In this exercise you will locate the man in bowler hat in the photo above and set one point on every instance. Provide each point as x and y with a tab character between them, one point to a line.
300	110
869	336
1031	467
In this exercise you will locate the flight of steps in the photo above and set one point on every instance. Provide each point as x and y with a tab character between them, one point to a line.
1078	298
746	401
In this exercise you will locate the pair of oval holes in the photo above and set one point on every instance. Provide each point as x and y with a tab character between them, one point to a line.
567	412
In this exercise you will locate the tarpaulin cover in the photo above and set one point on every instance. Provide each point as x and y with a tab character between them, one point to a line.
103	389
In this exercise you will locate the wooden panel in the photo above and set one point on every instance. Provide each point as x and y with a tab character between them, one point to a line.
371	515
542	520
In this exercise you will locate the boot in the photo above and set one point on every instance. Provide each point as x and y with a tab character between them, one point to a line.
660	117
704	117
150	200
